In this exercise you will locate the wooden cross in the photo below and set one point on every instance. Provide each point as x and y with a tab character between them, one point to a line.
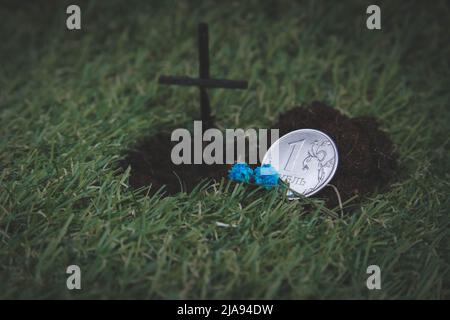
204	81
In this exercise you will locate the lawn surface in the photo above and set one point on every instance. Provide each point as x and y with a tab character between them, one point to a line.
72	102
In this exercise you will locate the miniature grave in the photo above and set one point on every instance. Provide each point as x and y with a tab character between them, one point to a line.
367	160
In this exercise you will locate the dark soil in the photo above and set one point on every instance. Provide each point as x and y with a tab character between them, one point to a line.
366	154
366	157
151	164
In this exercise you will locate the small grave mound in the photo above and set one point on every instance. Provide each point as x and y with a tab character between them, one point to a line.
366	155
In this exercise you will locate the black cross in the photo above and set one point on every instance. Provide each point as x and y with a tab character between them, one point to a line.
204	81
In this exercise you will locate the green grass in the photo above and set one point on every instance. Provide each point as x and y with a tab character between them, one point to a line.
71	103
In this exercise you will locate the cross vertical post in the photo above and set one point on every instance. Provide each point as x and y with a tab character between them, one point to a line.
203	57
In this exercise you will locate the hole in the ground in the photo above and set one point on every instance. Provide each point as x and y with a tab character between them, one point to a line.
367	161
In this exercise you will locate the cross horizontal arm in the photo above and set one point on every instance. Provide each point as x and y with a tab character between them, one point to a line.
204	83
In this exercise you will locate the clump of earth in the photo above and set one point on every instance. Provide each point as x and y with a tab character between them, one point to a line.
367	160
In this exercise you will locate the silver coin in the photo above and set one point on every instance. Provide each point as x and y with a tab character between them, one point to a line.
306	159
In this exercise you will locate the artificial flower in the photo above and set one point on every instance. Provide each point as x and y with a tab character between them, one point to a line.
266	176
240	172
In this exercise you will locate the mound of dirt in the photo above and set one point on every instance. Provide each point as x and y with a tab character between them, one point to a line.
366	155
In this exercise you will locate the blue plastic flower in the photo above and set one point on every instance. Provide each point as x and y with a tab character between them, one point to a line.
240	172
266	176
